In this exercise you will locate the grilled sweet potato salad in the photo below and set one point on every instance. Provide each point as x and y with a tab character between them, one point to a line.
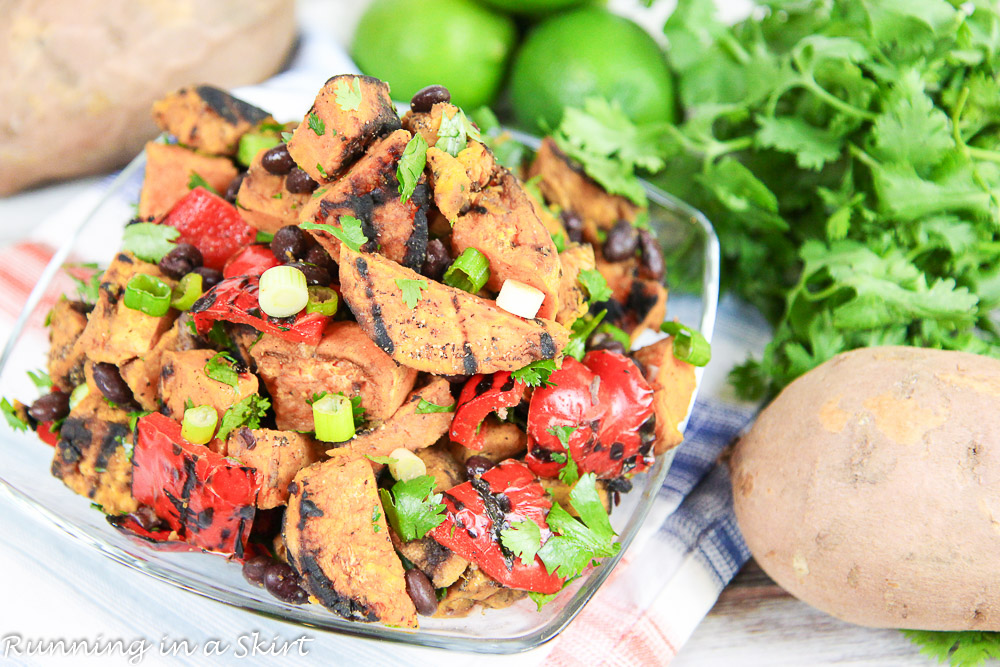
375	366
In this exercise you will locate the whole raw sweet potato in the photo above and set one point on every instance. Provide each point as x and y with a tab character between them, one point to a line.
870	489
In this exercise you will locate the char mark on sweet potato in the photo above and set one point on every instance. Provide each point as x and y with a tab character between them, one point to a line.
349	113
276	455
68	319
207	118
448	331
369	191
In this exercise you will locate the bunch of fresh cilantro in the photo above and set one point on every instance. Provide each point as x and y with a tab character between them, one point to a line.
848	153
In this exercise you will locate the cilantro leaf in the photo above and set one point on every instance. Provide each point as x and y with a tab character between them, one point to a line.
87	289
384	460
13	416
595	284
524	539
316	124
348	95
411	290
40	379
569	473
811	146
452	136
412	509
411	166
222	368
536	374
196	181
148	241
582	328
425	407
248	412
576	544
349	232
960	649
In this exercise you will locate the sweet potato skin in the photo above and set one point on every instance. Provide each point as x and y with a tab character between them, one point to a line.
870	489
168	172
448	331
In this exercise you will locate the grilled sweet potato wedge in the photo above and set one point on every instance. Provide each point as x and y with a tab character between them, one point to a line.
345	360
207	118
446	470
441	565
501	441
405	428
448	331
169	169
673	382
338	541
276	455
472	588
142	374
458	180
115	333
263	200
183	378
349	113
369	191
67	321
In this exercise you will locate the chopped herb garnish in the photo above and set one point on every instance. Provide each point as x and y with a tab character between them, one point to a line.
425	407
40	379
595	284
322	171
222	368
524	539
536	374
349	232
411	290
13	417
247	412
316	124
452	133
196	181
148	241
411	166
348	95
412	509
576	544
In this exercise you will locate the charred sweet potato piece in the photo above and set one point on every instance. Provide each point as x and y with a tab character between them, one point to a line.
369	191
405	428
263	200
472	588
276	455
646	306
91	457
448	331
566	185
501	441
142	374
116	333
349	113
503	226
442	466
427	123
338	541
345	360
183	378
458	180
619	275
572	298
169	168
673	382
441	565
67	321
207	118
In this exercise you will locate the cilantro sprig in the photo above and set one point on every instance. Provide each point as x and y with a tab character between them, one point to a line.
148	241
350	232
348	95
195	180
524	539
411	508
13	416
536	374
411	290
222	368
959	649
316	124
425	407
411	166
576	543
249	412
595	284
569	473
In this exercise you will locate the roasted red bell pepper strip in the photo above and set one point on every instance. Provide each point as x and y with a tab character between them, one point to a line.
480	396
604	400
46	434
211	224
235	300
207	499
251	261
478	510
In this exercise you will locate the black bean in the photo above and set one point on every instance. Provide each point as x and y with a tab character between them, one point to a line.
255	568
289	243
278	161
281	581
438	259
425	98
318	256
299	182
234	187
652	258
291	591
647	432
603	341
209	277
314	275
146	517
50	407
110	382
621	243
182	260
477	465
573	224
247	436
421	591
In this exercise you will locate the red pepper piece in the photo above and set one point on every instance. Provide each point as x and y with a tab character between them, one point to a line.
46	434
211	224
200	494
251	261
606	399
480	396
479	509
235	300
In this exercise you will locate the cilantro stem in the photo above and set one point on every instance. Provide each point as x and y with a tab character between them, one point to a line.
810	84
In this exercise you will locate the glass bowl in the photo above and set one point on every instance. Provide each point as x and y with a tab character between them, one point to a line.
692	252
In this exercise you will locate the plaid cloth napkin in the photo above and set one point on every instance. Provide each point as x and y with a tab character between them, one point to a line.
687	551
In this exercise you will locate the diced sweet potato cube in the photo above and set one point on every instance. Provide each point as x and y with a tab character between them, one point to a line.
183	379
169	168
68	319
263	200
441	565
572	297
446	470
501	441
142	374
673	382
276	455
207	118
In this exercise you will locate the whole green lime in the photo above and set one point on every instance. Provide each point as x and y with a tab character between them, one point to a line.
415	43
586	53
534	7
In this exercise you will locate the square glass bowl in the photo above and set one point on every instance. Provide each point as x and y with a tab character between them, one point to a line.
692	253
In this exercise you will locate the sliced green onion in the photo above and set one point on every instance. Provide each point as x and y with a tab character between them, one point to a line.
616	334
187	291
283	291
405	465
333	418
469	272
199	424
148	294
689	345
79	393
322	300
252	143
